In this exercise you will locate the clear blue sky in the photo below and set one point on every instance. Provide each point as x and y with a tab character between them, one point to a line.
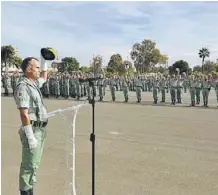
81	29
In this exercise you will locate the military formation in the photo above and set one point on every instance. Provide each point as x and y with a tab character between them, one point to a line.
76	86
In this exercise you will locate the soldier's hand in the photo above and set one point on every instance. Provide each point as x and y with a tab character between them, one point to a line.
33	143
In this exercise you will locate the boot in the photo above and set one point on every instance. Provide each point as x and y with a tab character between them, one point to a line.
206	102
28	192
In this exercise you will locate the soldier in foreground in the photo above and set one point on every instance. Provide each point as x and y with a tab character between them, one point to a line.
30	103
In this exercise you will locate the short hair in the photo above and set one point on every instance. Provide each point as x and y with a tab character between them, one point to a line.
26	61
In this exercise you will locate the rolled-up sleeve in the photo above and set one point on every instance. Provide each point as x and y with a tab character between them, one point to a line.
22	97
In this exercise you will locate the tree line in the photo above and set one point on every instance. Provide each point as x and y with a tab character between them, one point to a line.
146	58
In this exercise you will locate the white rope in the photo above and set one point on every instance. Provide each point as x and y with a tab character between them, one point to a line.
74	110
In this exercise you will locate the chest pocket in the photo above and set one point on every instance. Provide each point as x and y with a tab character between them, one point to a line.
34	94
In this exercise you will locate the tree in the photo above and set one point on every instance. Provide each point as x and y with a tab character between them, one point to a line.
163	60
17	61
171	70
129	68
114	63
7	56
160	69
96	65
209	67
181	64
85	69
68	64
197	69
203	53
145	55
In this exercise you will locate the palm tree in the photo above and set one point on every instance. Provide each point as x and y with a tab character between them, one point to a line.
203	53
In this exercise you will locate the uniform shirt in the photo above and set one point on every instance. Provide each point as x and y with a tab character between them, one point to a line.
138	83
206	84
28	95
179	83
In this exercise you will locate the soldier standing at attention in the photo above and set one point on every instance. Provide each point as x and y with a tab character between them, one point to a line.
216	88
30	103
100	84
155	87
124	85
192	89
198	86
138	87
112	84
206	86
179	86
162	86
172	84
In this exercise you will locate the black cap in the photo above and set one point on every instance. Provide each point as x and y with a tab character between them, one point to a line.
48	53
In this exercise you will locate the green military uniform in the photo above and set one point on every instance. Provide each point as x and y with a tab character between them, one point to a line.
138	87
173	85
192	90
198	87
162	86
27	95
216	89
6	83
206	86
112	84
100	84
179	86
124	85
155	87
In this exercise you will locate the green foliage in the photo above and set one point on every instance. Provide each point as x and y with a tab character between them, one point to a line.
85	69
181	65
145	55
114	64
203	53
17	61
208	67
197	69
160	69
8	55
96	65
68	64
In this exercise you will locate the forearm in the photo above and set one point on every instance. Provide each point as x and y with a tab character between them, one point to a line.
24	118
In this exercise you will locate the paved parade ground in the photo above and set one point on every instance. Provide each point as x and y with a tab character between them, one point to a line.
140	149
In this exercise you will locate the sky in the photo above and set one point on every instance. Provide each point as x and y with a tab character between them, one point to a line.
83	29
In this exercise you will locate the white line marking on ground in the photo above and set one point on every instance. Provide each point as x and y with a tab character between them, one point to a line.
114	133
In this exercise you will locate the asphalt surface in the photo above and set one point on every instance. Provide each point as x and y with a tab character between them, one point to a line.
140	149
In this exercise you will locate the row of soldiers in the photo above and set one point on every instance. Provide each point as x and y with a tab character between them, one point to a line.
77	86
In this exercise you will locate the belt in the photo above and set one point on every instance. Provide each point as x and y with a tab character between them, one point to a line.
39	123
